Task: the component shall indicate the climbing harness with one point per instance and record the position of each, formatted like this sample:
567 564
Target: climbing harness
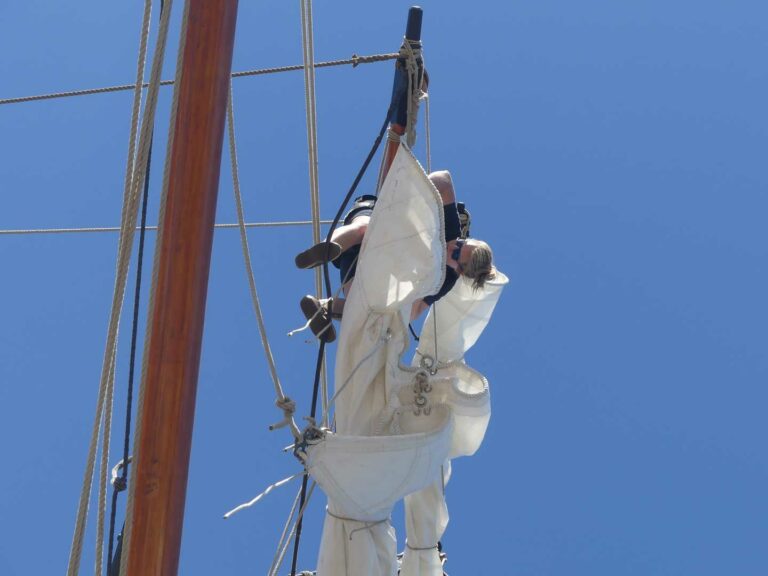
464 220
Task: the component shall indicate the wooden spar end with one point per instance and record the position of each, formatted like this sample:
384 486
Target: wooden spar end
413 28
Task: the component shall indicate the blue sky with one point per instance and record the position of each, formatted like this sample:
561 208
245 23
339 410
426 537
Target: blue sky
612 153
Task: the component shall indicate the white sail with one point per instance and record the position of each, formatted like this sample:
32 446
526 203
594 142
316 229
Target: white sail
397 426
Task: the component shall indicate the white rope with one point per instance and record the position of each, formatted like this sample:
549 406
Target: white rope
383 340
283 534
105 471
411 54
281 397
366 524
308 50
107 373
157 65
427 138
27 231
269 489
293 531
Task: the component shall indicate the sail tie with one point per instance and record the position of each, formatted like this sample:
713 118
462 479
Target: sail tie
419 548
368 524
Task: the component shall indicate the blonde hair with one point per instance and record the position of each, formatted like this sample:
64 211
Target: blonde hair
480 266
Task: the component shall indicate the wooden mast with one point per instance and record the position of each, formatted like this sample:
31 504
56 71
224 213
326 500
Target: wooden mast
398 126
180 294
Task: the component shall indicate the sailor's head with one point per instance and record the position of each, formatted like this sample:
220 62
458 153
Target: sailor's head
474 259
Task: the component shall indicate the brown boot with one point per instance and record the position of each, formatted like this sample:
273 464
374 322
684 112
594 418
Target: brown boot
318 254
319 317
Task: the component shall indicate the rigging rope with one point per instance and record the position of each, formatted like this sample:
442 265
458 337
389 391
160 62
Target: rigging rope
281 397
308 50
157 65
354 61
269 489
411 53
119 484
302 501
28 231
123 259
278 560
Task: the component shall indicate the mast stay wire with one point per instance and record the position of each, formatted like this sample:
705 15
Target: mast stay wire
91 229
355 60
123 259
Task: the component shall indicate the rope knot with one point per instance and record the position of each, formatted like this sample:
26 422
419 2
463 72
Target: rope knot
120 483
288 406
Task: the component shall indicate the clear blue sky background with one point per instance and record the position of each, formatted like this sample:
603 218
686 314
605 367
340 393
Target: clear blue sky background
613 154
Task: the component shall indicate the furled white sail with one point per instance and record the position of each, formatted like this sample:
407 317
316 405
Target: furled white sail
397 426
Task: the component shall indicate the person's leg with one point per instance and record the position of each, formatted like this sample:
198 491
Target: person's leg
351 234
444 184
342 239
318 317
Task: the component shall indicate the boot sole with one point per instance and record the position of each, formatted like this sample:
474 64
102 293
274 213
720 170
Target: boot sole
318 254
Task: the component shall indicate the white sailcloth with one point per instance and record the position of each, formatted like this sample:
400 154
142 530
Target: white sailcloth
397 426
461 316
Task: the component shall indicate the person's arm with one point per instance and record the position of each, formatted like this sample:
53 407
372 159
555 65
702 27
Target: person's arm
418 308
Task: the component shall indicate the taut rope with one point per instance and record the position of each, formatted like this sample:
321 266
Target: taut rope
354 61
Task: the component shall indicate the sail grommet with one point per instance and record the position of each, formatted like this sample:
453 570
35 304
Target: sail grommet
428 363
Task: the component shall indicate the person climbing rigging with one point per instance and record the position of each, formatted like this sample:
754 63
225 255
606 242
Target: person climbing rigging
465 256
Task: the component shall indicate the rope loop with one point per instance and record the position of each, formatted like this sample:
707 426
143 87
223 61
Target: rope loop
366 524
419 548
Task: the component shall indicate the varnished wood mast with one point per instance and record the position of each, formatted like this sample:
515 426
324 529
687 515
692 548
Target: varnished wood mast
182 285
